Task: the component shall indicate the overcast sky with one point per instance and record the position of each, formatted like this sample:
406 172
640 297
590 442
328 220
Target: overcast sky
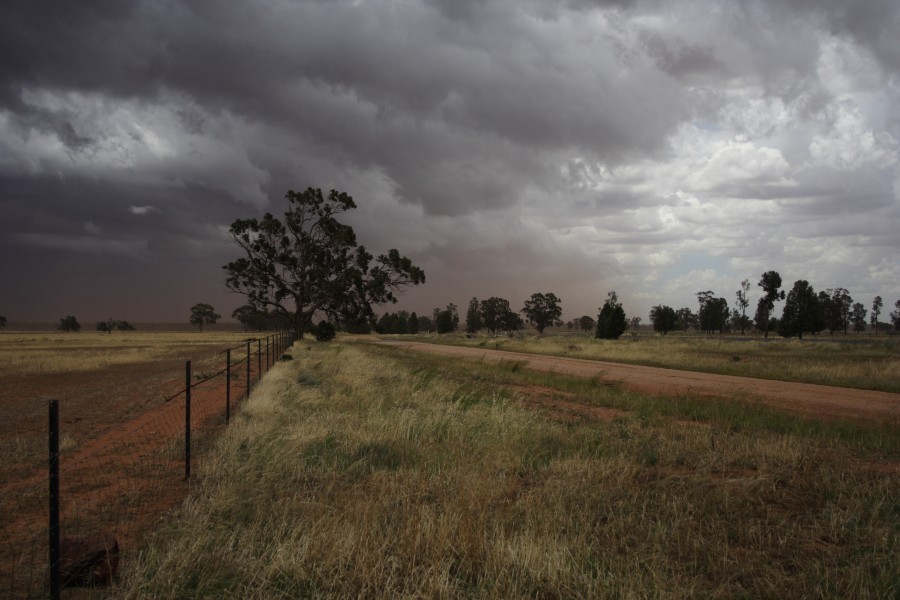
506 146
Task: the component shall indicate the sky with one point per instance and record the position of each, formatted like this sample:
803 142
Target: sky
507 147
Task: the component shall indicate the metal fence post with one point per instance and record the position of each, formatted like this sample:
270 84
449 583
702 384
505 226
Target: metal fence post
187 420
258 359
227 385
267 352
248 369
55 583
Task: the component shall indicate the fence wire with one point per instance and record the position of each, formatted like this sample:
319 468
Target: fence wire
118 485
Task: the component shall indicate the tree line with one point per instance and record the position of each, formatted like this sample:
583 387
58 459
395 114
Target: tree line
804 311
310 265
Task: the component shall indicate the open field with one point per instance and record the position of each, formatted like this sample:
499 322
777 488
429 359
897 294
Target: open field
361 470
101 380
869 362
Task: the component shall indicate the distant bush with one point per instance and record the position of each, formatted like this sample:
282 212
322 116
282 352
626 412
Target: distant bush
324 331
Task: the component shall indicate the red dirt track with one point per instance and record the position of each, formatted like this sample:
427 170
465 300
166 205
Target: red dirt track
800 398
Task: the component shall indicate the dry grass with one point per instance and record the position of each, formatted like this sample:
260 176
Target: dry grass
368 472
866 363
57 352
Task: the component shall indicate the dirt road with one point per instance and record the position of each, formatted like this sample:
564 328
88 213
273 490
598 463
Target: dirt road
803 398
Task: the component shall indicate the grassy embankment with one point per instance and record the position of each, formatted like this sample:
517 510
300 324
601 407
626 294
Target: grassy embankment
366 471
871 364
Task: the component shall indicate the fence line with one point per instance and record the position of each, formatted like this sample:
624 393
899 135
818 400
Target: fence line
70 526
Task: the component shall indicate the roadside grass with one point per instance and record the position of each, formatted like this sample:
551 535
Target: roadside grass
24 353
864 364
356 470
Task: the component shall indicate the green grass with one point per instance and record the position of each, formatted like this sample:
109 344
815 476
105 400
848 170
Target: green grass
848 362
366 471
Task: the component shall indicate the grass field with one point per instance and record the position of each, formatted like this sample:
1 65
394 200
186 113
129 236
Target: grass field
56 352
865 363
362 471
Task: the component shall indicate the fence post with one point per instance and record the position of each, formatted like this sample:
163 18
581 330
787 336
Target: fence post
55 587
267 351
248 369
187 420
258 359
227 385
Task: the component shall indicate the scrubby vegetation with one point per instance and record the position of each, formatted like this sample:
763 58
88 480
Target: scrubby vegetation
358 471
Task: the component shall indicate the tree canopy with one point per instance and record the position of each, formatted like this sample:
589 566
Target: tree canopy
770 282
543 310
69 323
586 323
663 318
311 264
877 304
204 314
473 316
742 301
496 315
611 322
713 315
835 306
111 324
801 311
858 317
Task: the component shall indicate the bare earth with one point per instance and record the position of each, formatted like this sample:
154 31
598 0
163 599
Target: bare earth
802 398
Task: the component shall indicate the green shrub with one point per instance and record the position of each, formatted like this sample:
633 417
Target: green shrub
324 331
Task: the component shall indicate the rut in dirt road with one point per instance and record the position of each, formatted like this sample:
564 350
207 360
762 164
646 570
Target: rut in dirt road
801 398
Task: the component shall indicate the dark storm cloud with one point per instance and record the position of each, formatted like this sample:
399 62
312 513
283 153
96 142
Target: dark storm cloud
143 129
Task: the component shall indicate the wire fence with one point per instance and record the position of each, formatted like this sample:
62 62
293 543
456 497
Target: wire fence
70 523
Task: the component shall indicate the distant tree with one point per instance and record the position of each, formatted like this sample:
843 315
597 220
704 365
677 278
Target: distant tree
770 282
801 311
713 313
496 315
203 314
310 264
611 322
543 311
570 325
877 303
426 324
635 323
835 305
412 324
685 319
895 315
394 323
324 331
444 322
69 323
587 323
401 322
454 315
473 316
663 318
251 318
106 326
447 320
742 302
125 326
858 317
2 321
